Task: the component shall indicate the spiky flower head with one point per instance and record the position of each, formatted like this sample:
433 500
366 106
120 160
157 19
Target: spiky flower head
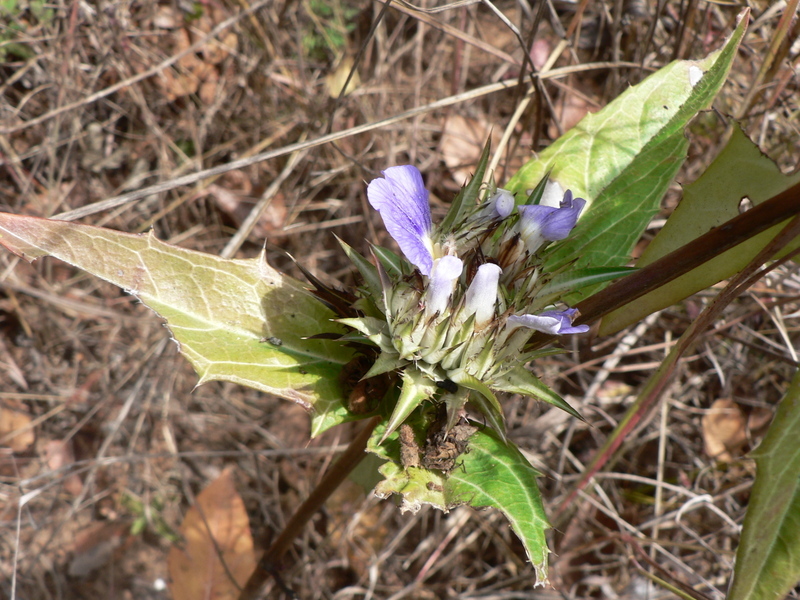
454 319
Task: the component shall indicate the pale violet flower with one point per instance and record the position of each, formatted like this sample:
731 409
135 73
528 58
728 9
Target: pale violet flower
553 322
501 203
539 224
456 323
444 274
481 296
402 200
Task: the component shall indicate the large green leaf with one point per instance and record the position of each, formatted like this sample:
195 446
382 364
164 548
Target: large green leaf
740 170
622 159
235 320
768 557
496 474
492 473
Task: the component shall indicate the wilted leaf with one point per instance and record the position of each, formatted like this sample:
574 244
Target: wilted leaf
724 430
96 545
15 426
235 320
59 455
768 557
216 557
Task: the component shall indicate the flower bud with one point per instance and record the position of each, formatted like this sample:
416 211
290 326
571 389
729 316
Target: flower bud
501 203
444 274
481 296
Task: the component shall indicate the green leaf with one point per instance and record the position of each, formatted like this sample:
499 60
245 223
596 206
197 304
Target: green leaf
492 473
580 278
394 265
416 388
366 268
467 197
622 159
234 320
495 474
768 557
521 381
740 170
485 399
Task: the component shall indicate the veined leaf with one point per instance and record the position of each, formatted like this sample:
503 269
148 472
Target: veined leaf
416 388
235 320
768 557
492 473
622 159
740 170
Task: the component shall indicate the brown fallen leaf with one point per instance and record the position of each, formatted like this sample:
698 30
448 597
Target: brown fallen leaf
335 80
237 202
724 430
462 142
569 112
217 556
15 426
96 545
58 455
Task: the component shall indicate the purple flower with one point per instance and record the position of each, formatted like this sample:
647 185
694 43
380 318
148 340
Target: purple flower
402 200
539 224
444 273
501 203
481 296
554 322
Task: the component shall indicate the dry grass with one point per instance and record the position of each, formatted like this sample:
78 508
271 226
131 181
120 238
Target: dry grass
97 100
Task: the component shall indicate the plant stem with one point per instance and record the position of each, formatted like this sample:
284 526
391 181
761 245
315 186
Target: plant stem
270 562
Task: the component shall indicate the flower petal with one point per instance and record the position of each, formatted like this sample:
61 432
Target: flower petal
553 322
444 273
539 224
561 221
553 194
502 203
481 296
402 200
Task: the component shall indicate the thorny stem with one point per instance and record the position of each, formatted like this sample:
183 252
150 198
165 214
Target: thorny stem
270 562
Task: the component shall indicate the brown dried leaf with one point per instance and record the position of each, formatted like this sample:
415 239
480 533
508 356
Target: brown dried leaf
96 545
58 455
238 205
569 112
217 556
15 430
335 80
166 17
758 420
217 51
724 430
462 141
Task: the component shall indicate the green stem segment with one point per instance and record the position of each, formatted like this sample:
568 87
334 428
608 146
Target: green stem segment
270 562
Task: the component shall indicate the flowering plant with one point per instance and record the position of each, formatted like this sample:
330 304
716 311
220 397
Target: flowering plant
427 341
465 315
